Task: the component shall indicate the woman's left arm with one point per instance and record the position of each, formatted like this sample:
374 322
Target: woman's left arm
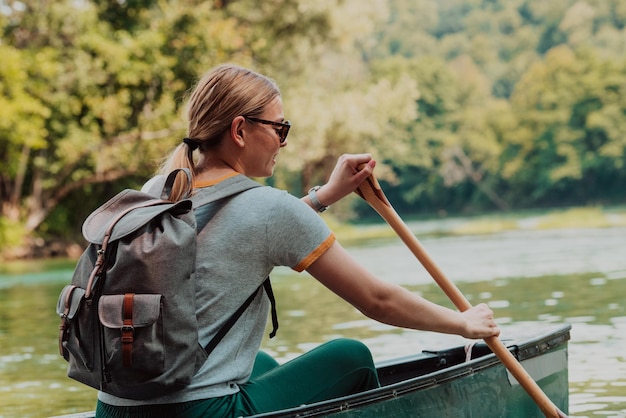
348 174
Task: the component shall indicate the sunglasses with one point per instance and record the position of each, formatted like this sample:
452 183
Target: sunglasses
281 128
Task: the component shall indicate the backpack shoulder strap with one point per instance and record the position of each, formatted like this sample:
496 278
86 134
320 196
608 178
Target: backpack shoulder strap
226 188
233 319
161 187
230 187
267 284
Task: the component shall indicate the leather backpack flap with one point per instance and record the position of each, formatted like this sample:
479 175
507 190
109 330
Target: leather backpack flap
69 301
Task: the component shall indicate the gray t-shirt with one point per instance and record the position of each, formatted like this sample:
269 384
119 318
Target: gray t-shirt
243 237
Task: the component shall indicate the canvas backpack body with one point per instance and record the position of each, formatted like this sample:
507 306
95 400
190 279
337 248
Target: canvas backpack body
128 318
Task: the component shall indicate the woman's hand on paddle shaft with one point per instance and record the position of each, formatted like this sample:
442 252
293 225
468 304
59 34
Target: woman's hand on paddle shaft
348 174
479 322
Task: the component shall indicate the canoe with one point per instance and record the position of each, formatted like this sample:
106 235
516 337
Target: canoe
450 382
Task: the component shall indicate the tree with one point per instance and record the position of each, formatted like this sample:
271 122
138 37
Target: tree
340 104
100 97
568 128
96 89
466 104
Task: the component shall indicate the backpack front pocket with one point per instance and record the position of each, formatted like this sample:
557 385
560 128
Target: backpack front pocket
133 333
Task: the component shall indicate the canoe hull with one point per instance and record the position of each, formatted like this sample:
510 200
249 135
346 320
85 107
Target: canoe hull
485 393
440 384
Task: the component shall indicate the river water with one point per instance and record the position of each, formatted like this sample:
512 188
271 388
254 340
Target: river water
576 276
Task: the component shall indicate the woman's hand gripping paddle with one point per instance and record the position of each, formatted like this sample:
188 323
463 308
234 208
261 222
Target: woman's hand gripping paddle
372 193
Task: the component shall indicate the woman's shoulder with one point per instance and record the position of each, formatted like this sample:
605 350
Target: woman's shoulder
271 202
271 196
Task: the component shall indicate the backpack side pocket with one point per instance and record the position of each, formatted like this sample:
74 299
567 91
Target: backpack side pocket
77 330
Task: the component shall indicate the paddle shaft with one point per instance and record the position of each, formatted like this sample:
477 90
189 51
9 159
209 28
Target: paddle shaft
372 193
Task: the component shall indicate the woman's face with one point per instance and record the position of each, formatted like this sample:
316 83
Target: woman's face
263 142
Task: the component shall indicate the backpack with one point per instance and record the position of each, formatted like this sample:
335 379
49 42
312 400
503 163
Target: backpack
128 318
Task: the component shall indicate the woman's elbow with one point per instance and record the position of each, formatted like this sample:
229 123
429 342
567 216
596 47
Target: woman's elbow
378 307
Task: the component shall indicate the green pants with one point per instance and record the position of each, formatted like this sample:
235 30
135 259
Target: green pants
338 368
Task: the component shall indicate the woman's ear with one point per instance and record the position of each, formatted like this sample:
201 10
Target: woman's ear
238 131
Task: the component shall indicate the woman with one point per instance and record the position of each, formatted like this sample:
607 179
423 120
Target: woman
237 127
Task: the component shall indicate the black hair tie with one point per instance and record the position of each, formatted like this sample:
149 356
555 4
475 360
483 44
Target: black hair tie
191 143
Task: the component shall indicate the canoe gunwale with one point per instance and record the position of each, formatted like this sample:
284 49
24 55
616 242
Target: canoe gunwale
532 349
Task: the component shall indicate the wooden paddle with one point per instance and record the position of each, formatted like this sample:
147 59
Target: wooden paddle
372 193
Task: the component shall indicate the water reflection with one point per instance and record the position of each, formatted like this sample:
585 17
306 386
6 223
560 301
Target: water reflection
592 299
511 254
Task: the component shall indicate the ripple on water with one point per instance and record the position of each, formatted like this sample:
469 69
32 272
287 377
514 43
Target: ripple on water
597 368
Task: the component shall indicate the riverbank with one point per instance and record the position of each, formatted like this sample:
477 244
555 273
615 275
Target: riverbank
353 234
535 220
38 248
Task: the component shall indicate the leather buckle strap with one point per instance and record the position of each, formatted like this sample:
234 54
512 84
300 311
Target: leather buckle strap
128 330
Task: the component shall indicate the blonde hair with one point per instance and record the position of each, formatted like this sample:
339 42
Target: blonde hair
222 94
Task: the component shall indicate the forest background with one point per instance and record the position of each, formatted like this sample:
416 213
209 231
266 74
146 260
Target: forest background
468 105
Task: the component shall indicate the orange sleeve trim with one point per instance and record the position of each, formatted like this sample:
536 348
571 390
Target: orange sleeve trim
209 183
315 254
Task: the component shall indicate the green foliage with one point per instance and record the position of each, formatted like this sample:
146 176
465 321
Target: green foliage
553 139
12 234
467 105
566 131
